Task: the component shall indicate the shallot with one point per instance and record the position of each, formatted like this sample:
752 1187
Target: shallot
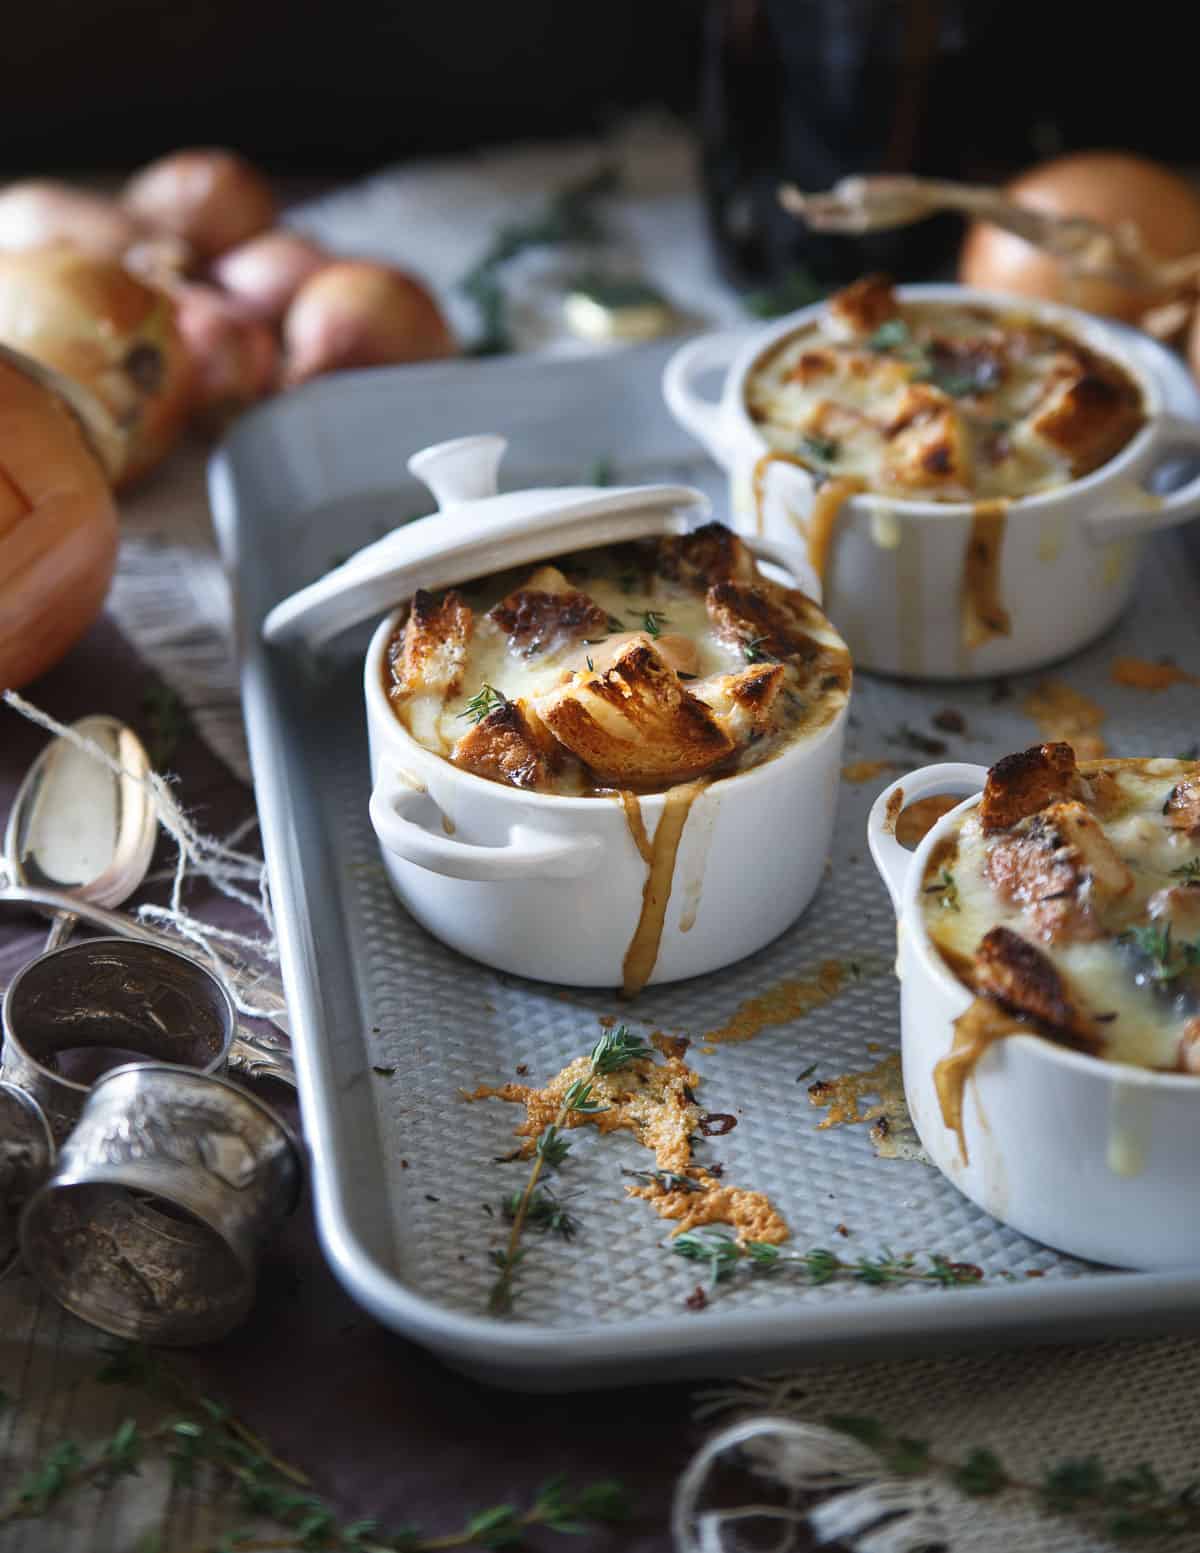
236 358
356 313
213 199
265 273
94 322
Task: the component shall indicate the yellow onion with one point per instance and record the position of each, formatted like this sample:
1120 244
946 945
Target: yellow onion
265 273
1111 187
1193 342
235 358
58 527
355 313
93 321
37 212
213 199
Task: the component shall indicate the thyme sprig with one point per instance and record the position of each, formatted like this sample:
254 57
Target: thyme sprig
199 1432
653 621
615 1050
947 888
822 450
1128 1506
724 1258
1167 958
1189 872
753 652
486 699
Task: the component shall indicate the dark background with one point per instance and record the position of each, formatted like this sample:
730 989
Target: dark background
806 89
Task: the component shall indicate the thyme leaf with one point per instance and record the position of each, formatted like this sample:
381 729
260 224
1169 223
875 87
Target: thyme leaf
485 700
653 621
725 1257
947 888
1189 872
822 450
1167 959
753 652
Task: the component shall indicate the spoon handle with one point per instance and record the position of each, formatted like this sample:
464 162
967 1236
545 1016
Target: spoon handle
256 1055
61 929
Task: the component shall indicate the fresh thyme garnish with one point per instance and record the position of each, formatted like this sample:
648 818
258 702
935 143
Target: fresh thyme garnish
1189 872
545 1211
725 1258
197 1434
798 288
568 216
668 1180
947 888
1156 945
753 653
1127 1507
822 450
485 700
166 722
893 335
590 664
615 1050
599 471
653 621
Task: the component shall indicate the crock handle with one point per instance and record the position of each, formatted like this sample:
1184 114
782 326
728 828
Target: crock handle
1174 435
702 417
891 859
528 853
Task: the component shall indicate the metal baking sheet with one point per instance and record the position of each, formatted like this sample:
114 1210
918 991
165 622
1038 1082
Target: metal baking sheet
390 1027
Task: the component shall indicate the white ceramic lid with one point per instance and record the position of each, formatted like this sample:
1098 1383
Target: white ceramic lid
474 532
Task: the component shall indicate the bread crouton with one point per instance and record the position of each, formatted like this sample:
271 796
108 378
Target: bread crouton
859 309
1012 972
776 620
1089 415
706 556
635 725
1061 868
511 745
430 654
928 445
1021 784
547 612
1182 807
742 702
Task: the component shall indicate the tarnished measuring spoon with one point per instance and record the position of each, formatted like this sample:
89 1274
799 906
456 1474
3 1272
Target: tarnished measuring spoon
79 829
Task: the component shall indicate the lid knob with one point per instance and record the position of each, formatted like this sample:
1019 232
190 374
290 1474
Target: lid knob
462 470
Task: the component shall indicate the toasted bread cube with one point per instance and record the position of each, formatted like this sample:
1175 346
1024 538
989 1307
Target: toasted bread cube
706 556
432 652
742 702
1088 416
511 745
1061 868
776 620
678 651
1182 808
928 443
547 612
635 724
858 309
1078 830
1022 784
1012 972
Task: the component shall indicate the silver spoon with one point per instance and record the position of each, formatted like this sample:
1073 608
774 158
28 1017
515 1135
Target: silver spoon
79 830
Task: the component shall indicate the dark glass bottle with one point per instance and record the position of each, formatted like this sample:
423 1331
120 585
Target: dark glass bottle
813 90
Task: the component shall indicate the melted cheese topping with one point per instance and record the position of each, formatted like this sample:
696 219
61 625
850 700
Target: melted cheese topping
1139 987
943 402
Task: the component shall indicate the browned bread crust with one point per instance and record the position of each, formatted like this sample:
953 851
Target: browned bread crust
1015 974
706 556
511 744
1023 783
432 651
865 304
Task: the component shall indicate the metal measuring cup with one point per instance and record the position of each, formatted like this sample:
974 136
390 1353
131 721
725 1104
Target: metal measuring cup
151 1224
73 1013
26 1155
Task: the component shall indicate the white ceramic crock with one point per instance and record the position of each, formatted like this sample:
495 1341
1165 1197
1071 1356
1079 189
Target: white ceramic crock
894 580
552 888
1096 1158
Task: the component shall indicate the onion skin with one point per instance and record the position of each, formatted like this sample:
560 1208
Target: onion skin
266 273
235 358
355 313
58 530
213 199
37 212
93 321
1111 187
1193 343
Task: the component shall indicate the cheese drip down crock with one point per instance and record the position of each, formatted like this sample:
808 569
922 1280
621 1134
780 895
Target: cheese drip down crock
632 669
1069 901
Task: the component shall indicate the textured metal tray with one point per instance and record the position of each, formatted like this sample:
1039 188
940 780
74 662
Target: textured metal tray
402 1167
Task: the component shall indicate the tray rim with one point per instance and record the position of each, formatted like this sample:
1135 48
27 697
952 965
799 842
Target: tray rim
534 1355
